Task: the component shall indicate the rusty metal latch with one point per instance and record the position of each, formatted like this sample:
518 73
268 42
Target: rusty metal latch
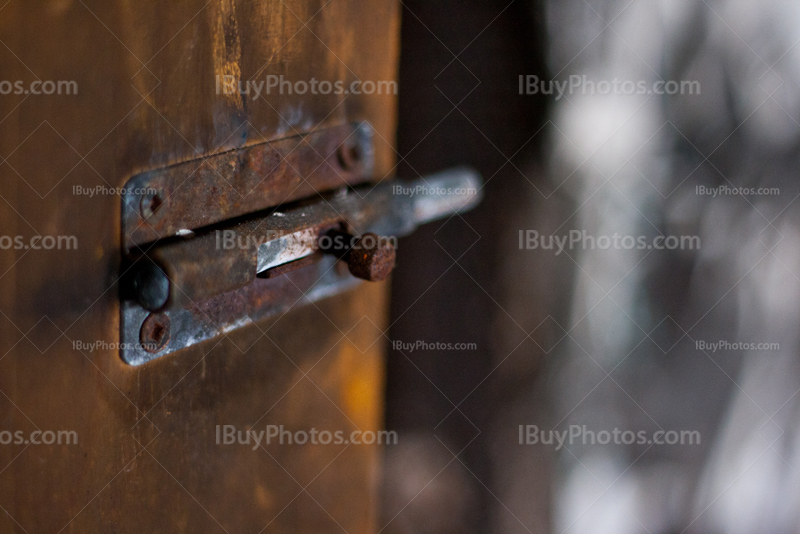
231 257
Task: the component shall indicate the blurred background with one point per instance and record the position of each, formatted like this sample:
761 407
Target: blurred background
655 119
606 345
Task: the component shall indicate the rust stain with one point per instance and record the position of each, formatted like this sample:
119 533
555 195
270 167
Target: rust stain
263 497
362 373
362 388
59 7
239 182
282 25
227 49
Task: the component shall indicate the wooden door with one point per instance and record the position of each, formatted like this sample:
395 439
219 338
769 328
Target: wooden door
148 74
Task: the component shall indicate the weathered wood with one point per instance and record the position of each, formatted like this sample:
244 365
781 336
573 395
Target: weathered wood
147 459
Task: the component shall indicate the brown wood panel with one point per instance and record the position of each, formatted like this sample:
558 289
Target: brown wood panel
147 459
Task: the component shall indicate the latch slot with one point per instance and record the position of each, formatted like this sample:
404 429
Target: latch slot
215 268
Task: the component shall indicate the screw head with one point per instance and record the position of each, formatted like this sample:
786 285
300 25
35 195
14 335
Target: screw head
350 156
154 334
150 204
372 258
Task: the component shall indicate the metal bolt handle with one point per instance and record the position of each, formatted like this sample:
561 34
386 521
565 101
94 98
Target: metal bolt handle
370 257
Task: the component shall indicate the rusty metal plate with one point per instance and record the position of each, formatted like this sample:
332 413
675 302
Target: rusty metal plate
225 313
170 201
207 289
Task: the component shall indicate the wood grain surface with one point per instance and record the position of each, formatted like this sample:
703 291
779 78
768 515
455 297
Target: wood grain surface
147 460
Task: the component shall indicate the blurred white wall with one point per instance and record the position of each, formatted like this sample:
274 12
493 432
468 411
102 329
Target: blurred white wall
632 164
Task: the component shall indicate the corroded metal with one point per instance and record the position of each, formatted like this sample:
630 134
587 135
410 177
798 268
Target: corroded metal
167 202
228 312
372 258
226 259
212 277
155 332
